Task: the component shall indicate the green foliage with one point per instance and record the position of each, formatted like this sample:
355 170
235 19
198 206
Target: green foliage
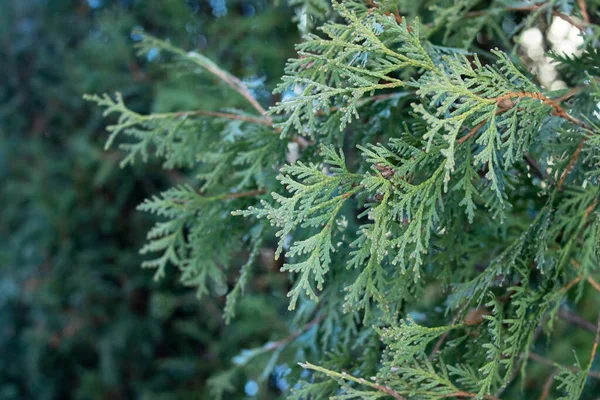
435 206
316 201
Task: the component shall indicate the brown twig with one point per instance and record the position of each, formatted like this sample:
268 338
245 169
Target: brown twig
584 12
571 284
547 387
577 266
505 103
572 163
236 84
244 194
535 166
570 20
479 13
442 339
217 114
347 377
595 345
558 110
591 208
469 395
438 344
471 133
501 110
543 360
576 319
282 342
568 95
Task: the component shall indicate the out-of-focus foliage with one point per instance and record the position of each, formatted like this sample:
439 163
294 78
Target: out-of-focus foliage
78 318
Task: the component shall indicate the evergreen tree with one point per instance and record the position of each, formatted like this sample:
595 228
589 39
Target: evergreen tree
434 204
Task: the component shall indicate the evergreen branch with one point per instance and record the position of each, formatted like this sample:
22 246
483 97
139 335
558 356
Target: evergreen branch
317 197
149 42
231 116
518 369
558 110
347 377
410 339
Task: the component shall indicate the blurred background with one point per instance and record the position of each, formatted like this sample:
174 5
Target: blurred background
79 319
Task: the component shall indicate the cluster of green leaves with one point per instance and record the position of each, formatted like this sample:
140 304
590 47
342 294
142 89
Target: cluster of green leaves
434 204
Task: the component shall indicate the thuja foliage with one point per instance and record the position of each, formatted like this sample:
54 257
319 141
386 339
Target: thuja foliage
434 206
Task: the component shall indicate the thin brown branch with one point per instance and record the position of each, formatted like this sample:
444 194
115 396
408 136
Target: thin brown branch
502 109
591 208
463 394
282 342
236 84
250 193
547 387
535 166
572 163
595 345
471 133
568 95
570 20
576 319
479 13
347 377
558 110
438 344
217 114
303 143
442 339
569 285
543 360
577 266
584 12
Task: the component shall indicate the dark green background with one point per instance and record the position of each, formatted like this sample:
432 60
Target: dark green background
78 317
